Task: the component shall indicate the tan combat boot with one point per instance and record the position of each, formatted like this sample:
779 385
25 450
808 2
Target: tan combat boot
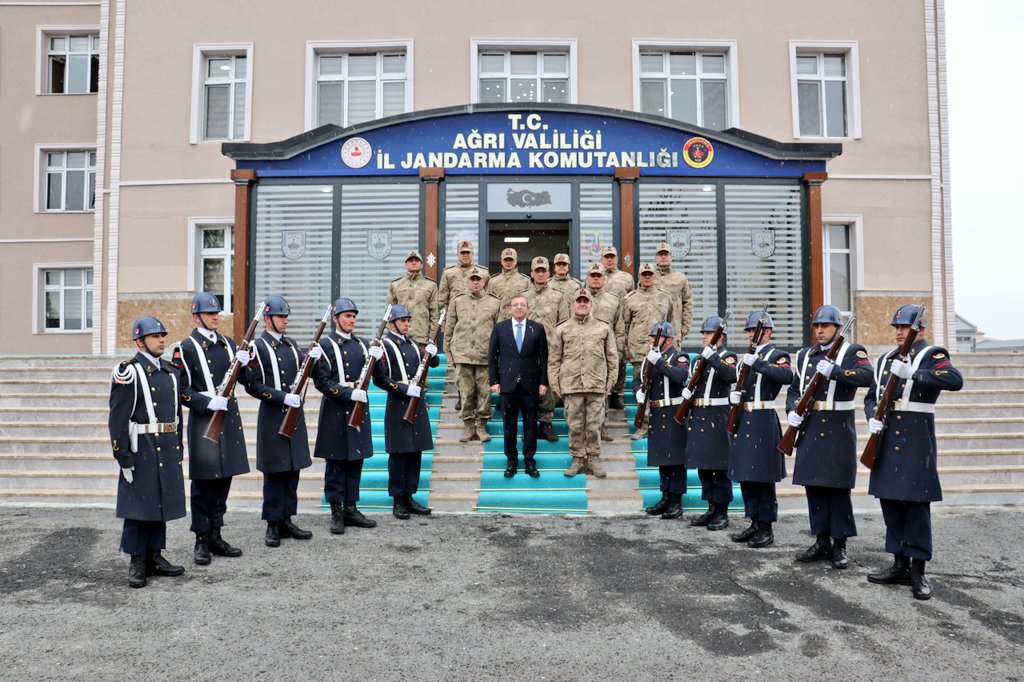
468 432
481 430
640 433
605 436
596 470
578 464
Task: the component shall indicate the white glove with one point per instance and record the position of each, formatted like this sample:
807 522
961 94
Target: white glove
749 359
243 357
900 369
640 396
292 400
794 420
413 391
707 352
824 367
875 426
653 356
735 397
358 395
376 352
430 349
687 393
316 352
128 475
218 403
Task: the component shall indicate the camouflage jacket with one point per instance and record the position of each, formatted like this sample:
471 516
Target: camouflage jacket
618 282
547 306
582 356
505 285
678 285
419 295
453 283
641 310
608 308
568 286
468 324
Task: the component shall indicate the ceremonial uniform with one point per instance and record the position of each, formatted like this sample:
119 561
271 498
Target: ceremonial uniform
468 324
643 308
707 441
549 307
419 295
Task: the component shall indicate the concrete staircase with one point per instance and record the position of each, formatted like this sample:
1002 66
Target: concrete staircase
54 447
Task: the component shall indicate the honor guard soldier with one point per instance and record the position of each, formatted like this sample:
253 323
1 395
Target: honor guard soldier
905 478
678 286
562 281
404 442
342 447
203 360
549 307
145 435
509 282
272 376
582 362
826 454
754 459
707 441
468 324
666 442
619 283
607 307
453 277
417 294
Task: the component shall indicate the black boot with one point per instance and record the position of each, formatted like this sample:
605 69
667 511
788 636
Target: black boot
839 556
659 506
897 574
547 432
220 547
201 555
821 549
337 519
615 402
399 509
137 571
273 536
704 518
354 517
415 507
458 403
290 530
720 521
763 537
918 582
675 506
157 565
746 534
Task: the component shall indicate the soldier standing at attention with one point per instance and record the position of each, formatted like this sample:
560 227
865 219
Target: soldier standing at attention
549 307
619 283
453 277
468 326
905 478
707 441
342 447
562 281
404 442
607 308
145 436
754 459
678 286
826 456
272 376
643 308
417 294
509 282
203 360
582 362
666 445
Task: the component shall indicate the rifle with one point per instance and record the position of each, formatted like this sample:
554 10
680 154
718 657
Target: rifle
215 427
889 396
355 420
732 424
421 372
291 415
699 366
645 382
795 433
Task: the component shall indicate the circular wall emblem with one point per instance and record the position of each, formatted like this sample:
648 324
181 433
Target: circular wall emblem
698 152
356 152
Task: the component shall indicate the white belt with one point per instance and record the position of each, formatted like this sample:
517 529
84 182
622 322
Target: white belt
925 408
154 427
666 403
710 402
758 405
835 406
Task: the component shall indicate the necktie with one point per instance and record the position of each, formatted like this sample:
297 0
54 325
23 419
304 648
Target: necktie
519 336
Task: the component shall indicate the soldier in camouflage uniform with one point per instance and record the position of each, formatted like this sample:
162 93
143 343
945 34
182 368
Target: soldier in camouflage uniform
508 282
619 283
562 280
676 284
549 307
453 277
467 327
582 361
608 309
418 294
643 308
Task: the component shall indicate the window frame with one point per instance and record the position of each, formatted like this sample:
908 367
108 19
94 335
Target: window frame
41 166
196 255
201 53
851 52
480 45
855 236
39 289
43 35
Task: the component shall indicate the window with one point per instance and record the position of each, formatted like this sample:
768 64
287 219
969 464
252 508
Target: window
513 76
73 64
69 182
688 86
221 92
838 256
67 299
356 87
216 248
825 90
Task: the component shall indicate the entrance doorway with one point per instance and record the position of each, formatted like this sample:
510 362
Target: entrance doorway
530 238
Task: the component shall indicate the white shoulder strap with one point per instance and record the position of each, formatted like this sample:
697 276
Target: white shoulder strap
147 395
830 397
803 369
879 368
203 365
275 370
905 401
399 360
757 382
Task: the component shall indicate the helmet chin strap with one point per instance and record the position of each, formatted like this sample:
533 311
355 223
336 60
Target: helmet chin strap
202 322
145 344
274 325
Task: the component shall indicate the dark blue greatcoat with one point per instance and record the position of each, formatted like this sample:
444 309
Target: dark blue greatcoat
400 436
157 492
335 439
666 439
906 465
274 452
707 441
755 455
206 459
827 454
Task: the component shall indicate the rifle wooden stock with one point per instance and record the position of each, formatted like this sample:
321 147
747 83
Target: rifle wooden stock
358 414
421 373
733 422
645 386
699 367
291 415
215 427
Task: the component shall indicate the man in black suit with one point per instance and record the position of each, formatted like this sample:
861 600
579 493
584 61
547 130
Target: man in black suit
517 362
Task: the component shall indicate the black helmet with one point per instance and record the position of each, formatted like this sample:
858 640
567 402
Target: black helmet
755 316
205 302
147 325
828 314
907 315
712 324
345 305
276 305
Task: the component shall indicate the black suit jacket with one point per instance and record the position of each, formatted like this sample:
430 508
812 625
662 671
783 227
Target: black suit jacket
508 366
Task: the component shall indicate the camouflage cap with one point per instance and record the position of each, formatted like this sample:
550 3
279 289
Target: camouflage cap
539 262
646 267
562 258
465 246
477 271
414 254
609 251
664 246
583 293
596 269
509 253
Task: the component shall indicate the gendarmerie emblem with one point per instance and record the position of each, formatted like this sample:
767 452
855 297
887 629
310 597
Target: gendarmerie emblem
378 243
293 244
680 240
762 242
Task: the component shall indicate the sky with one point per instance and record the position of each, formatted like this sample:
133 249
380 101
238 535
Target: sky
985 71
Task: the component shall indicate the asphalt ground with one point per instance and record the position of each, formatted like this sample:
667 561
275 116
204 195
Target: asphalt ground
485 597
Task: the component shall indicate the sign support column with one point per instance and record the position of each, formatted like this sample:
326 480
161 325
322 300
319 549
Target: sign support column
627 178
243 180
431 178
816 257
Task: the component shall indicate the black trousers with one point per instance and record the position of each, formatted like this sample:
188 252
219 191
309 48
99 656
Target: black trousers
209 503
831 512
760 501
673 478
908 528
403 473
519 401
142 537
280 495
715 485
341 480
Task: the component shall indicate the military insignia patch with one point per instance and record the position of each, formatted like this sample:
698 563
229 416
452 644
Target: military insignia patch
730 360
862 354
938 356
